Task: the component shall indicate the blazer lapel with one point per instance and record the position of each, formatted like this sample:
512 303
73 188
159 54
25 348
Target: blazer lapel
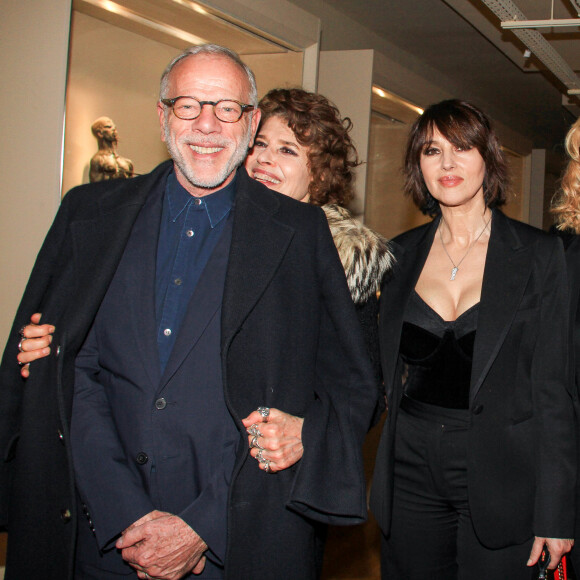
204 304
396 293
142 267
259 243
507 269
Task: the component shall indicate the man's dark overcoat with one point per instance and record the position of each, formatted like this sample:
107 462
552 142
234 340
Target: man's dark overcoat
290 340
521 468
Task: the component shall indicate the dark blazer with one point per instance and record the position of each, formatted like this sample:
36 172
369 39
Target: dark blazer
572 245
290 339
521 463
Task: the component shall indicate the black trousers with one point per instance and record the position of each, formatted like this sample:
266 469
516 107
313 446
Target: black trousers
432 535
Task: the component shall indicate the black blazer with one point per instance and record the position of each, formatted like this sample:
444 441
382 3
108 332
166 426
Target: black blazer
521 463
290 339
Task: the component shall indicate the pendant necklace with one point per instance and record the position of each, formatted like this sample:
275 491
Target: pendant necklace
455 268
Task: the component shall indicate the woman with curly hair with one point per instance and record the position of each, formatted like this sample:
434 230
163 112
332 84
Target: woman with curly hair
566 205
303 149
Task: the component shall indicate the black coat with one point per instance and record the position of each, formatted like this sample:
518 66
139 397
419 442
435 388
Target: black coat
290 340
521 459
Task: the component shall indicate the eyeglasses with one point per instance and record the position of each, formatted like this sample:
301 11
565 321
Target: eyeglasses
188 108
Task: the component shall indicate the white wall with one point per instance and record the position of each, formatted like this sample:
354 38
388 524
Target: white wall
34 47
346 78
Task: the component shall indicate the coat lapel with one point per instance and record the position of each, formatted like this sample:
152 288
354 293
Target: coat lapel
259 243
105 238
507 269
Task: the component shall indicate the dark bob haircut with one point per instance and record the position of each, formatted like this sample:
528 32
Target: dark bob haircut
463 125
317 124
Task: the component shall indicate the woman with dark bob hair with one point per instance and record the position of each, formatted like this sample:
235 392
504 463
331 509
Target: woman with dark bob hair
475 471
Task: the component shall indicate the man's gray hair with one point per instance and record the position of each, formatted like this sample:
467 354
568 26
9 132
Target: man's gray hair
213 50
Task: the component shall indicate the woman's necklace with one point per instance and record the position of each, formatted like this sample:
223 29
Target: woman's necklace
455 268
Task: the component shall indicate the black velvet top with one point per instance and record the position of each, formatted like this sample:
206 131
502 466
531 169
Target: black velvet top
437 354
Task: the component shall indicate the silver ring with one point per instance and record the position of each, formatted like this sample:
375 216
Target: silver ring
20 343
265 412
267 468
255 443
255 430
260 457
21 331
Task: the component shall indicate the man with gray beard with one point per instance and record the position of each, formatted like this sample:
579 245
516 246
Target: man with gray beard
186 302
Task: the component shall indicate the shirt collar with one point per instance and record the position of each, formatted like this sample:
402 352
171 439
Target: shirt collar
217 205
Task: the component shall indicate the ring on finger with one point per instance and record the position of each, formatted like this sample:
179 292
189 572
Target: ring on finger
20 343
255 443
265 412
255 430
260 457
267 467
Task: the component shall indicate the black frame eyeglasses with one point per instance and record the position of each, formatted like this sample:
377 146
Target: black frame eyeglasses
225 110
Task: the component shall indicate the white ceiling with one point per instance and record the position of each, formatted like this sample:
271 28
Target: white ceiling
463 40
457 39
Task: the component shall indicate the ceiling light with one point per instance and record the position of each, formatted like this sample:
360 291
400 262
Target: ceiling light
510 24
115 8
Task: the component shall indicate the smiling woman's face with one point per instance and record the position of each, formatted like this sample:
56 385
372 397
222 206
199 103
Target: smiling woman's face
454 176
279 161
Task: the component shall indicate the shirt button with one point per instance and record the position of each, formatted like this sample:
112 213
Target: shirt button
167 332
198 201
189 233
142 458
160 403
178 281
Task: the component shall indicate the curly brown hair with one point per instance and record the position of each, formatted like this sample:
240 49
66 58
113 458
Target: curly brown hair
566 203
463 125
317 124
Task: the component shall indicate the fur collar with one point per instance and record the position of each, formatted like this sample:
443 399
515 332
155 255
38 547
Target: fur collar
365 255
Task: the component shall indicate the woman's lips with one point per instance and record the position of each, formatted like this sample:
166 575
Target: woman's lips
450 180
259 175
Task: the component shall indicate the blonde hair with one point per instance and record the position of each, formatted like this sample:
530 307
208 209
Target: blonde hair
566 203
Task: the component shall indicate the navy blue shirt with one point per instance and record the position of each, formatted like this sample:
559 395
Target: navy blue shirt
190 229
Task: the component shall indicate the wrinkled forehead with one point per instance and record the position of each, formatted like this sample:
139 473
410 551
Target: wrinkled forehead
209 76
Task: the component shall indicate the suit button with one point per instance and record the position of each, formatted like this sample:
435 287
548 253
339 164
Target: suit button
477 409
142 458
160 403
65 515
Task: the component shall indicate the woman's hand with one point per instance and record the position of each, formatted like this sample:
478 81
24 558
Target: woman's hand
556 546
35 343
278 439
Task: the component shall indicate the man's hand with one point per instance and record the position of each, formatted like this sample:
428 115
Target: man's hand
161 545
556 546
